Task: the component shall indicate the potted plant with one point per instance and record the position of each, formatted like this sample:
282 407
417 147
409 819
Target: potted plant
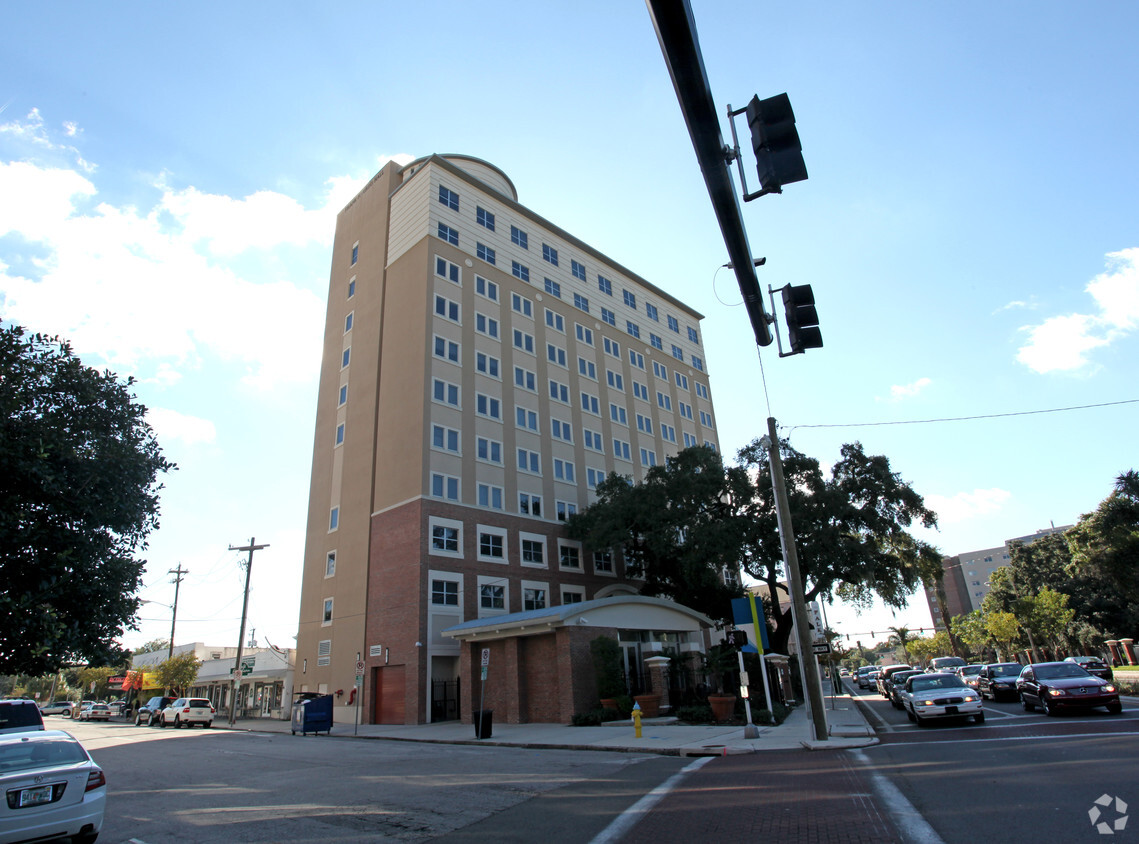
719 662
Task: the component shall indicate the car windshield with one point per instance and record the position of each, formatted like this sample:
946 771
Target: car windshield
946 662
23 755
970 670
1011 669
1059 672
937 681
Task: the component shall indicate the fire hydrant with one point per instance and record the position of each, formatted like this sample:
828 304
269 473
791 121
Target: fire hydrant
637 720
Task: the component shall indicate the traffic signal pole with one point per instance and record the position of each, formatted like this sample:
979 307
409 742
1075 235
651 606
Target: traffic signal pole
251 547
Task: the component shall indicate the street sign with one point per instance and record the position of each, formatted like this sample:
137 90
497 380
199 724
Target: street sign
359 667
359 679
820 648
485 657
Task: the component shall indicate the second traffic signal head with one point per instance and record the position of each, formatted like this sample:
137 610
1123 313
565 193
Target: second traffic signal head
802 318
778 152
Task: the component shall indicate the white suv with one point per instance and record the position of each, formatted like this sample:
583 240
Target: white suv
187 711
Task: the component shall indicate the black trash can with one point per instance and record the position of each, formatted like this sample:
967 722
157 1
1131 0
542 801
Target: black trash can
484 722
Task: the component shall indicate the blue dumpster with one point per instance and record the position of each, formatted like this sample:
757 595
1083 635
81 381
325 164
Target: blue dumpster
312 714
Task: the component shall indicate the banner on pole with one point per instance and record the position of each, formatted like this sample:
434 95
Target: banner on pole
750 611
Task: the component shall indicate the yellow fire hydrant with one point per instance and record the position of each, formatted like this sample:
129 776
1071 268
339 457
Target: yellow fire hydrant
637 720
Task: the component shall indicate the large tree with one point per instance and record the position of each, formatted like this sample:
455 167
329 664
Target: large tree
851 531
78 497
680 529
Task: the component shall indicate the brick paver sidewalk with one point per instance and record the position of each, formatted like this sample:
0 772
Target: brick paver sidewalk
821 797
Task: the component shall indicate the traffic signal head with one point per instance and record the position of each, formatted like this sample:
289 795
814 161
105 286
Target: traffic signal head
778 152
737 638
802 318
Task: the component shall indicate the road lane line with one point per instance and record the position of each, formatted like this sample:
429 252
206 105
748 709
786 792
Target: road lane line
624 822
914 828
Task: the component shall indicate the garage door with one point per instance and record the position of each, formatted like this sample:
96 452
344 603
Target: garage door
389 685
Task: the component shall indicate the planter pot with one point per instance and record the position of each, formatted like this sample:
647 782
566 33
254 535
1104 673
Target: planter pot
723 706
609 703
650 705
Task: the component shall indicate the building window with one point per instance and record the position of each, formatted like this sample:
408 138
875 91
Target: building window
445 593
577 269
523 341
593 477
587 369
553 288
584 335
636 359
705 419
340 434
343 398
555 321
489 450
651 312
448 234
534 551
520 271
351 288
348 322
326 618
608 317
580 302
697 363
487 364
334 518
549 254
603 561
667 432
621 450
449 198
660 371
664 401
618 414
529 461
444 486
559 391
593 440
556 355
678 352
633 328
330 564
346 358
685 410
445 392
445 269
491 546
484 252
518 237
490 496
486 288
486 325
569 556
648 457
564 471
630 299
522 305
674 324
564 509
681 380
605 285
526 419
525 379
640 391
448 309
446 349
560 430
445 439
701 390
445 538
533 599
484 218
355 253
529 504
656 342
488 406
492 597
692 335
644 424
572 596
590 404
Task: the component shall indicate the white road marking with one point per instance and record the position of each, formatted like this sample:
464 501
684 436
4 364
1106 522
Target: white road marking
624 822
914 828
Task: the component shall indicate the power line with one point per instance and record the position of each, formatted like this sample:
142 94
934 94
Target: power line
965 418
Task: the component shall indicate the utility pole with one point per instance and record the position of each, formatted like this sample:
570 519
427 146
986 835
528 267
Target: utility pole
251 547
808 666
178 573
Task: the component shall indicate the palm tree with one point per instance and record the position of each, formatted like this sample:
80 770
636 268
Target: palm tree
900 636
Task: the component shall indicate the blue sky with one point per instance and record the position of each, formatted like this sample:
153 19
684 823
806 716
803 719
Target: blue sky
169 179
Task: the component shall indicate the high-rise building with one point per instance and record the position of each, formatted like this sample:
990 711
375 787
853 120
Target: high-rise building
483 369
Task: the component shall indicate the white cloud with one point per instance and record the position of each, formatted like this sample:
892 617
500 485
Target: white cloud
967 505
1062 343
157 292
172 425
905 391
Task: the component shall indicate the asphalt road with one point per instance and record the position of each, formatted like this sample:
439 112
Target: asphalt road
206 786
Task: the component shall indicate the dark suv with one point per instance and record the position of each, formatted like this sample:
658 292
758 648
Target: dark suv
150 711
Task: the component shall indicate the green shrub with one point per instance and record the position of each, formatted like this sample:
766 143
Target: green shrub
694 714
588 719
624 705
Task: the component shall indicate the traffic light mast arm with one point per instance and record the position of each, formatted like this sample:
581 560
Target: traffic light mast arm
676 32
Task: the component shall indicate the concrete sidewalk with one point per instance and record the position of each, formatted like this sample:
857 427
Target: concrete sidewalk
847 726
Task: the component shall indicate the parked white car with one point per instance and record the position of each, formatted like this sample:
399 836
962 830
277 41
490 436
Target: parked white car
187 711
53 788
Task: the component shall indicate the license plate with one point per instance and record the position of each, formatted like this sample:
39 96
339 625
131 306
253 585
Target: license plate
951 710
35 796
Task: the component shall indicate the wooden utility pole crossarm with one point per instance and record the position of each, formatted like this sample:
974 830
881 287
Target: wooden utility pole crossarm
251 547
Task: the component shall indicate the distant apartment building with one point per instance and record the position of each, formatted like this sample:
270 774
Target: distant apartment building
966 579
483 370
